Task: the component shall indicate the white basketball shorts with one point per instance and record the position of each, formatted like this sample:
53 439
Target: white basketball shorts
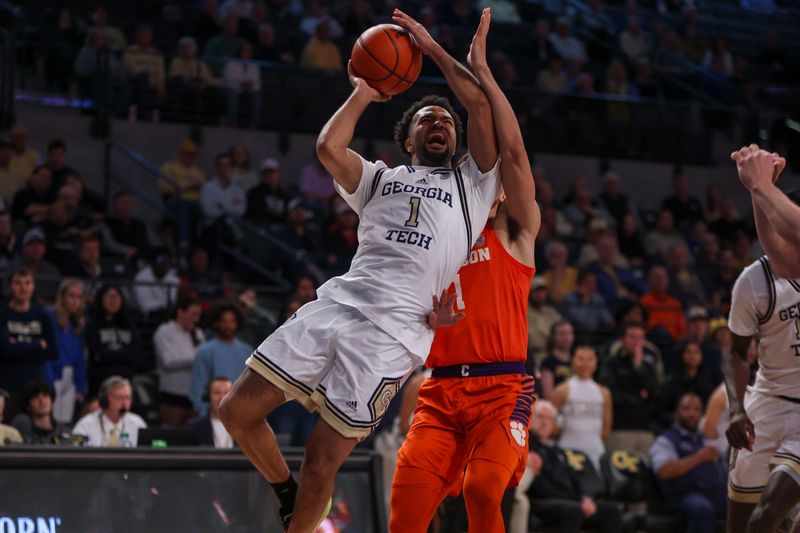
777 443
331 359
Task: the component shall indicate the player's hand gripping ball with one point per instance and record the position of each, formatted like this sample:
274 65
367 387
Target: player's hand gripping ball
387 58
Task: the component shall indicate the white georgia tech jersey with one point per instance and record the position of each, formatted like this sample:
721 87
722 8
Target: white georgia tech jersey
417 225
768 308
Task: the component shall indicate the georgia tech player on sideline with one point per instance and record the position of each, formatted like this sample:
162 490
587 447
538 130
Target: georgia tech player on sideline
348 353
764 432
472 415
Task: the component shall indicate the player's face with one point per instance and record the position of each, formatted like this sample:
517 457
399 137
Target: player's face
432 139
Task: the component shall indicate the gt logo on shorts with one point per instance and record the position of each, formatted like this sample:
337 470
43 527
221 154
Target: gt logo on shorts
387 389
519 433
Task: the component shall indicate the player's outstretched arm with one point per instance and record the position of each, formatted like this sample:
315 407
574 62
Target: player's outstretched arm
333 141
740 433
777 217
482 147
515 168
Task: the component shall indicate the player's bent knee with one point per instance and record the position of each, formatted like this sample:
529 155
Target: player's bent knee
318 467
485 484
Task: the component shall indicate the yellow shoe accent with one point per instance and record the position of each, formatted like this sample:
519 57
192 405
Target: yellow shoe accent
325 513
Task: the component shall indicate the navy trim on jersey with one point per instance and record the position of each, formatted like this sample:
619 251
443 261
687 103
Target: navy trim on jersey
746 490
462 194
410 169
375 181
281 373
794 284
771 290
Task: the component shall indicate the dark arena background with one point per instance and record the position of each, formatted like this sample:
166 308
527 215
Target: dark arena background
119 120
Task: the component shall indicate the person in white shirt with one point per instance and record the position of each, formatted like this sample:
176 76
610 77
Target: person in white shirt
565 44
156 285
176 344
209 429
243 77
114 425
221 197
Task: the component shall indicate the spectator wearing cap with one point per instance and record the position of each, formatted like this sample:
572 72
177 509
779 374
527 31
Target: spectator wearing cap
32 203
561 278
35 422
565 44
340 242
184 174
300 235
24 159
156 285
8 434
697 330
46 275
585 307
541 317
10 181
123 234
221 197
267 201
664 311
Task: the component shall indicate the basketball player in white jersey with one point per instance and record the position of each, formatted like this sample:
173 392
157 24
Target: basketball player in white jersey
777 218
348 353
764 432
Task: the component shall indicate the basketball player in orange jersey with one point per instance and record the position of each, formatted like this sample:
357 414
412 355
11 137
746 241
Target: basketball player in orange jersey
471 421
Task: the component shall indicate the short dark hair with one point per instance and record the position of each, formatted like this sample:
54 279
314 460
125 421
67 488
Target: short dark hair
32 389
633 325
585 273
227 307
186 299
54 144
20 271
403 125
222 155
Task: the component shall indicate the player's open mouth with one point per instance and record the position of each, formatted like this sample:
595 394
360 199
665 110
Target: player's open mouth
437 140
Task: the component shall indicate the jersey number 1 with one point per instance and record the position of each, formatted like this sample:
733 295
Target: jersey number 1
413 221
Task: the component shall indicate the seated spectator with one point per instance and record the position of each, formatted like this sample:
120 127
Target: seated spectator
664 236
9 244
24 159
541 49
35 421
112 339
56 162
729 225
89 204
630 242
123 234
242 79
585 307
114 425
541 317
243 173
557 366
269 49
615 283
685 208
697 330
688 378
561 278
204 282
552 79
209 429
266 202
32 203
182 192
581 212
111 34
67 373
718 58
613 200
692 473
633 382
8 434
305 290
45 274
191 86
585 408
556 495
10 181
90 267
223 356
90 61
321 53
684 283
565 44
316 184
634 312
156 285
503 11
189 68
597 229
221 197
300 235
63 230
340 241
145 67
663 310
176 343
618 84
223 45
633 41
258 322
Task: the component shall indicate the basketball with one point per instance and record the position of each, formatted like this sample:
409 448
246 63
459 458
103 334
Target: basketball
387 58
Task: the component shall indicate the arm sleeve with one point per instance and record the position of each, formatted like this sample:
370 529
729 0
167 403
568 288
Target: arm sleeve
370 176
750 300
662 452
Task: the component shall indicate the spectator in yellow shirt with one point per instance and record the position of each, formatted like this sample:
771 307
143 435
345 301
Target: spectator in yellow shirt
23 158
321 53
190 68
113 35
145 66
189 179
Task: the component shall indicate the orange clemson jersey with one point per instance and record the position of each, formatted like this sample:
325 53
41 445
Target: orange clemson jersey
492 291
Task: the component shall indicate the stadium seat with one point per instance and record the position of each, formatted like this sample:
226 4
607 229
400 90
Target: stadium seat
628 476
592 484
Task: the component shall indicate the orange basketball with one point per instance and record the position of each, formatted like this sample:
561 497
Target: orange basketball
387 58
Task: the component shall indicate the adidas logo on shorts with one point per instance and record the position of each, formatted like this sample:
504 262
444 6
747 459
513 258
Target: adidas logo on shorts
352 405
519 433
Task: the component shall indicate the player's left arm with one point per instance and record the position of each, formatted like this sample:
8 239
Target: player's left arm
482 147
515 168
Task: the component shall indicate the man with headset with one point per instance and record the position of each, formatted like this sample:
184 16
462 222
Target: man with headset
108 426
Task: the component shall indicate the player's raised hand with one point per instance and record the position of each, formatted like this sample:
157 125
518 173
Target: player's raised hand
363 87
423 39
443 313
741 433
476 58
756 167
779 163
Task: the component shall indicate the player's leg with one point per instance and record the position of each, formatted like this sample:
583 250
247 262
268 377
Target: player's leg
243 412
738 515
326 450
782 493
416 494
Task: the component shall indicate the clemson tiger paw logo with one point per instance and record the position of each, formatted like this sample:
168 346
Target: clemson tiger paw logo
519 433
